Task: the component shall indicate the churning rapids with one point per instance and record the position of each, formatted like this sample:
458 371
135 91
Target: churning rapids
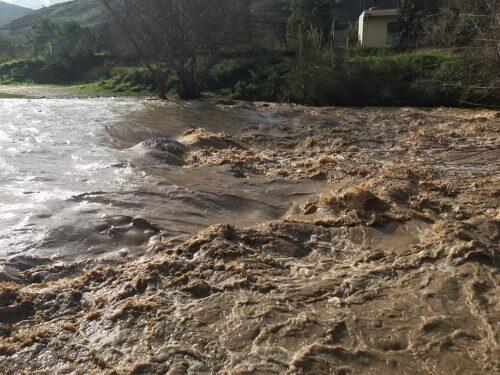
142 237
74 174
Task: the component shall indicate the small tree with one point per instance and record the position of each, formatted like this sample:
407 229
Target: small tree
187 36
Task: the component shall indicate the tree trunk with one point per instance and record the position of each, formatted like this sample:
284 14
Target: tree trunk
190 81
189 89
162 91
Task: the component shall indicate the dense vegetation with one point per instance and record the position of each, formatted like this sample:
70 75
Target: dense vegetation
448 54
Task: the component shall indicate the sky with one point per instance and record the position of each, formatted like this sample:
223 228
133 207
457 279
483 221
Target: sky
34 4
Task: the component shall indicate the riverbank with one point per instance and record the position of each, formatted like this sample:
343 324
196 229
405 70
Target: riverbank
394 269
319 77
34 91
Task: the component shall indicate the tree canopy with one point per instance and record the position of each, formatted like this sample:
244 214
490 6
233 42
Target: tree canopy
449 23
60 40
307 15
187 36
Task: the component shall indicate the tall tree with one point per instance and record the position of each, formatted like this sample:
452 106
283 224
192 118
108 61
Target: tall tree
187 36
472 28
412 17
307 16
60 40
448 23
75 40
42 36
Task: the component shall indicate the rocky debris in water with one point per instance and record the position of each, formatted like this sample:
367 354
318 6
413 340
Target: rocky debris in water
197 288
133 231
109 231
489 225
396 272
359 199
164 145
9 274
202 139
164 149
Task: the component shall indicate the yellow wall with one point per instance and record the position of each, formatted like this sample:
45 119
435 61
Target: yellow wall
373 30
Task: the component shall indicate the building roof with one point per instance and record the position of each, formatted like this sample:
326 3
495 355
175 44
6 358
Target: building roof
381 12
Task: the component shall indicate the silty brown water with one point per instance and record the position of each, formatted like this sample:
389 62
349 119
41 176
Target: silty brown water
74 174
385 262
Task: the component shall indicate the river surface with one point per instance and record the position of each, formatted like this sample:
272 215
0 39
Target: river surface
73 176
351 240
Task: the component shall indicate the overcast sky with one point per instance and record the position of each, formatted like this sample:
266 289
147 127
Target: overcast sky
34 4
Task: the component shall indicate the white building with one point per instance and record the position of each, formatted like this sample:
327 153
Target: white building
377 27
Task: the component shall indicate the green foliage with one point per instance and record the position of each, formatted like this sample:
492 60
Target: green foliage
129 80
61 40
62 53
75 40
412 16
16 71
470 81
348 76
313 79
447 23
326 77
249 78
42 36
42 71
471 26
8 49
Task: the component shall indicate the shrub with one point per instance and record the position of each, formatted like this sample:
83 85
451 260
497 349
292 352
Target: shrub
326 77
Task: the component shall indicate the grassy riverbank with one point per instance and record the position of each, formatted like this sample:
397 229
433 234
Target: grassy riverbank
318 77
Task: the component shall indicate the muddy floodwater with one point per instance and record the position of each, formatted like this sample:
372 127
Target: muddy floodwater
148 237
73 169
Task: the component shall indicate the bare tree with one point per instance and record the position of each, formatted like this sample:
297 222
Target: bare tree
187 36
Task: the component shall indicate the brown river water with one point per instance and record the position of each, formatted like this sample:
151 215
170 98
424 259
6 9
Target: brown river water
147 237
70 169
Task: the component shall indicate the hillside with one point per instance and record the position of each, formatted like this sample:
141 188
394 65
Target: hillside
32 4
92 12
9 12
36 4
89 12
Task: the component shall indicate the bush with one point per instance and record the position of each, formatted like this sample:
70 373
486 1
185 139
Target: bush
249 78
470 79
326 77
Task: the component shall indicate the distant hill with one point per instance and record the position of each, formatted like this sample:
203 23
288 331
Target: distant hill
9 12
35 4
88 12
